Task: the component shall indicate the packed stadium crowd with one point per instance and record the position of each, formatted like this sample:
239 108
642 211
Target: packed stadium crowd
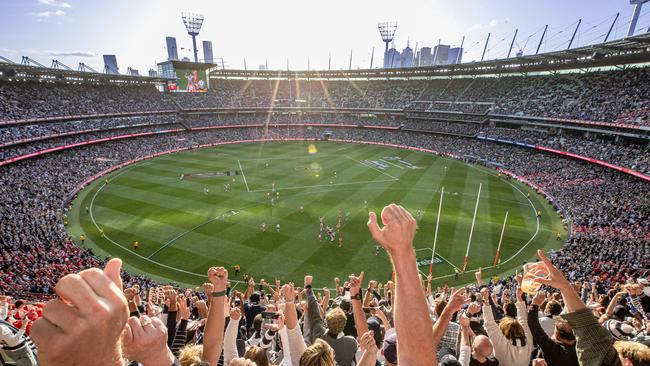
613 96
24 100
595 291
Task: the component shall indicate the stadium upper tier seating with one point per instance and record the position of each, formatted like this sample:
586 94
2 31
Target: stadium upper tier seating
613 96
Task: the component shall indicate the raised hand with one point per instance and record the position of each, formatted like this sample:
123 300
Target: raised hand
288 293
355 284
208 288
398 232
456 300
130 293
235 314
553 276
485 292
145 340
276 327
539 298
183 309
170 294
218 276
83 326
367 342
479 276
463 321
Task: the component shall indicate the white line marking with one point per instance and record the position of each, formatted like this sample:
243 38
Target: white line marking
329 185
395 165
243 176
441 257
92 217
170 242
371 167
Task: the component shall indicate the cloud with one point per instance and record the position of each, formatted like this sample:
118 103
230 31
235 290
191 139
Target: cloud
58 4
84 54
475 26
47 14
493 23
7 50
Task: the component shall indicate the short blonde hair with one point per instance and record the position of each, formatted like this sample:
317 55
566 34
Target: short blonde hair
336 320
318 354
190 355
636 352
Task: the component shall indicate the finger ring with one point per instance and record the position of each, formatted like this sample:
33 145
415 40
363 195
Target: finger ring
147 323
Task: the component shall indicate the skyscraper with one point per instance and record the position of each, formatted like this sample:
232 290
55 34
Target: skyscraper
208 57
407 56
172 50
440 54
110 65
455 56
426 58
392 59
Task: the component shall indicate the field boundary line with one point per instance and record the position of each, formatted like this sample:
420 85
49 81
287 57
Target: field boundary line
370 166
531 205
243 176
92 217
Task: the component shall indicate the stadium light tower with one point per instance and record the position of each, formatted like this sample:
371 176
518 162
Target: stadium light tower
387 31
193 23
635 17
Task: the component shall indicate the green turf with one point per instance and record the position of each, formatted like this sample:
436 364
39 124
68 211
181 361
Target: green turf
183 231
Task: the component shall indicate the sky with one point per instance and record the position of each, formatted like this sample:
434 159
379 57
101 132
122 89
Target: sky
299 31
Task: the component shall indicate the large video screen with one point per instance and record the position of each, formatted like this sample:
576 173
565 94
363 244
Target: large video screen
191 80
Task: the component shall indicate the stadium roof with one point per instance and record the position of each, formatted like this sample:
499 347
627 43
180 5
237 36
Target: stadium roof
26 72
626 51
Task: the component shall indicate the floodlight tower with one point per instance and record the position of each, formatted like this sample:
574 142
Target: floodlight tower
635 17
193 23
387 31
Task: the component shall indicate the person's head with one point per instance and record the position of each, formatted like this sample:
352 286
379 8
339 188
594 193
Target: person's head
563 331
257 355
632 353
318 354
482 346
510 309
255 298
190 355
336 320
512 330
257 323
553 308
389 348
440 306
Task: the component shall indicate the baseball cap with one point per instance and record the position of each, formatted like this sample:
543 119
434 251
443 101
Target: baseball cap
390 346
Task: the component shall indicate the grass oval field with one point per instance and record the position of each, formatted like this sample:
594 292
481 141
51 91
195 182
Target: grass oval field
182 230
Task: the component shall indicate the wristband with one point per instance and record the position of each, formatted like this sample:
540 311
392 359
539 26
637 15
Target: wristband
357 296
218 293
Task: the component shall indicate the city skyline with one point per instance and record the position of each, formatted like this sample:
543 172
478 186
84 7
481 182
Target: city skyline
292 30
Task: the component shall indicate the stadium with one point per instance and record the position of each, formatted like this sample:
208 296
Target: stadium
489 196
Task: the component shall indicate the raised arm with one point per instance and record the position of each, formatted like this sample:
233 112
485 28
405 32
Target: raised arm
593 342
360 322
412 323
453 306
213 334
